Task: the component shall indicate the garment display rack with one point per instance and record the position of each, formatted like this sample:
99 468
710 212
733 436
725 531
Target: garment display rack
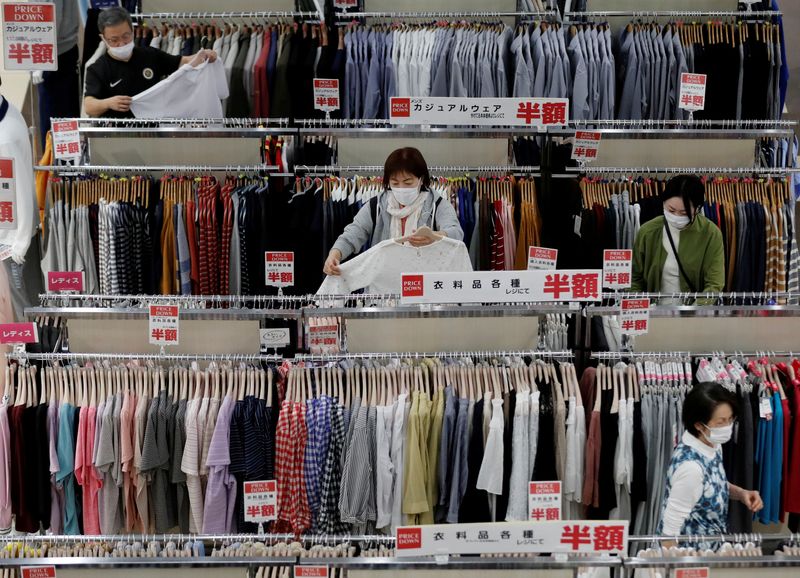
442 355
674 13
443 15
327 169
221 15
680 128
233 357
62 169
744 171
683 355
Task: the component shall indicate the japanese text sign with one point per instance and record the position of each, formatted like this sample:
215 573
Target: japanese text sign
64 281
501 287
15 333
542 258
39 572
323 338
585 145
275 337
301 571
693 91
260 501
530 112
692 573
279 268
617 268
29 36
326 94
544 501
66 140
164 325
8 195
517 537
634 316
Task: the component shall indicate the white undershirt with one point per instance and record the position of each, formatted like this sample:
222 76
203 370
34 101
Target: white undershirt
686 487
671 275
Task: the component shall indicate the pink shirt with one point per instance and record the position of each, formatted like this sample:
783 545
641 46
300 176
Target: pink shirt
85 472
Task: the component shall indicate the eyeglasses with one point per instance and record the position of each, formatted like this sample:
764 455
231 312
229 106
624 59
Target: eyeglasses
724 422
119 40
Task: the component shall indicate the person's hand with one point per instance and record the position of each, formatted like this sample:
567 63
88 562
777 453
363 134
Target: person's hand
204 55
752 500
332 263
419 240
119 103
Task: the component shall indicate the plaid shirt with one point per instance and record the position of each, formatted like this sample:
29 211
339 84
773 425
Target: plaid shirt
311 456
329 521
227 232
283 462
301 518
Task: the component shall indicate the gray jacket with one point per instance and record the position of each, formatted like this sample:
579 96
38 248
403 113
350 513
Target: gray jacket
357 233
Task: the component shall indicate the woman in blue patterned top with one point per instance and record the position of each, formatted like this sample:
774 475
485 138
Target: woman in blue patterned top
697 491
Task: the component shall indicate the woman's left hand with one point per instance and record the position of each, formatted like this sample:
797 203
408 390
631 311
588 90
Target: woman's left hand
420 240
752 500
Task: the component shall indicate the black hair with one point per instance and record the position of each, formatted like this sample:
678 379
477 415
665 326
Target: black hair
701 401
690 189
113 16
406 160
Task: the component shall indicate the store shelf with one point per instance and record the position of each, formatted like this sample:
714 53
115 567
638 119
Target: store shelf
464 563
443 311
117 563
99 313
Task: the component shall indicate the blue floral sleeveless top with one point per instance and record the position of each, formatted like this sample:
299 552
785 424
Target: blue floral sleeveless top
710 513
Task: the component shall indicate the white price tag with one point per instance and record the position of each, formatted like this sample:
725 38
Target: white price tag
542 258
29 36
275 338
326 94
544 501
279 268
260 501
585 147
634 316
164 325
66 140
765 408
617 268
693 91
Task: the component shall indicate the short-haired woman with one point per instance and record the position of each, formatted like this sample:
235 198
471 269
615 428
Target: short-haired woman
681 252
405 205
698 491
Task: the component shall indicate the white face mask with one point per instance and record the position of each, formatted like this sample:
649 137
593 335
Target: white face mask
405 196
675 221
121 52
719 435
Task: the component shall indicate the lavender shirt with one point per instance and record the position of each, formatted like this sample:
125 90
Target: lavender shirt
221 489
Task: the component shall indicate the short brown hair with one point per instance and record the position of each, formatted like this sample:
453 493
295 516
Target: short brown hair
406 160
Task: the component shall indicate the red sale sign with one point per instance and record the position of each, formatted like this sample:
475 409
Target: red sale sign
436 110
544 501
279 268
326 94
39 572
542 258
260 501
8 195
617 268
18 333
693 91
164 325
64 281
634 316
29 36
585 147
66 140
310 571
692 573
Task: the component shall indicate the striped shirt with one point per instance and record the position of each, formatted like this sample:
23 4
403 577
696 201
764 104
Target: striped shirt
357 494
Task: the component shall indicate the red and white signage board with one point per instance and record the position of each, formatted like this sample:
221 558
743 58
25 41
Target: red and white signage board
8 195
279 268
164 325
692 573
634 318
345 4
617 268
501 286
29 36
693 91
323 338
544 501
530 112
260 501
39 572
64 281
599 537
18 333
66 140
585 147
542 258
326 94
301 571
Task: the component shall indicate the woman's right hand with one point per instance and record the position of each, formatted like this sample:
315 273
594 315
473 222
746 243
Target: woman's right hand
332 263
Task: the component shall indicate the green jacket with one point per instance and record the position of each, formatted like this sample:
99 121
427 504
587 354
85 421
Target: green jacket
700 250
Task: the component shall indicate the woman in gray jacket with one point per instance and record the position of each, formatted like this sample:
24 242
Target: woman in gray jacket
405 205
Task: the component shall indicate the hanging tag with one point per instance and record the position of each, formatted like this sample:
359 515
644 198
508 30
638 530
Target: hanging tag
765 408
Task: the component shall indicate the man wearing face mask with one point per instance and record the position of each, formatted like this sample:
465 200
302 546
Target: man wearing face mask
681 251
126 69
697 490
405 206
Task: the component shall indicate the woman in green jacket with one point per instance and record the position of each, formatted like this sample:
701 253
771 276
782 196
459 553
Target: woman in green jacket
682 251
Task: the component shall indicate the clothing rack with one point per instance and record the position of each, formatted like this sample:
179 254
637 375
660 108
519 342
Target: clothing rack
722 537
307 538
441 355
62 169
144 356
612 355
221 15
326 169
144 300
744 171
165 122
674 13
441 15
